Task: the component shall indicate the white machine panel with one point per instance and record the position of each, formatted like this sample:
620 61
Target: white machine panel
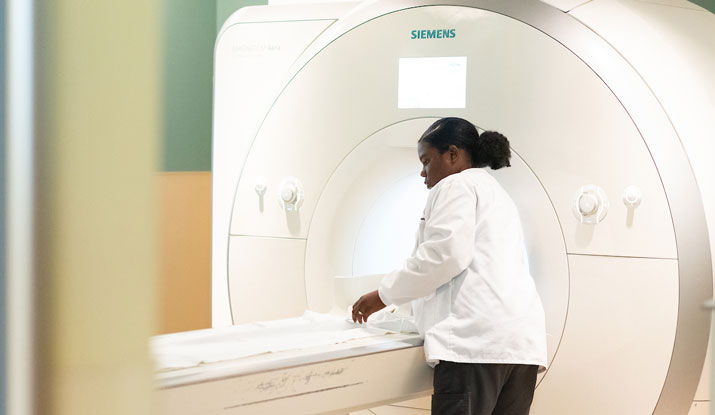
703 391
680 71
618 339
566 140
262 265
700 408
335 140
578 128
250 63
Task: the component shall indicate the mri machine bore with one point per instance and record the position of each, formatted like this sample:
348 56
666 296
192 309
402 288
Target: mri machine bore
608 106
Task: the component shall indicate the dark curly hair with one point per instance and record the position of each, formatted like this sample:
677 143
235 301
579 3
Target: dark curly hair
487 149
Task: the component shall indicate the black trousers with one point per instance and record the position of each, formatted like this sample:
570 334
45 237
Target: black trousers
483 389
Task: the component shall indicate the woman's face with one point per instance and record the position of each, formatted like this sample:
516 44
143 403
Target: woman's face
436 166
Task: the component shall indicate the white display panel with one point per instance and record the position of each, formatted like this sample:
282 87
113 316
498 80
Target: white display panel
434 82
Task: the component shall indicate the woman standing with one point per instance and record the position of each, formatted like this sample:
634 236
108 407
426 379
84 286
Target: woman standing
472 295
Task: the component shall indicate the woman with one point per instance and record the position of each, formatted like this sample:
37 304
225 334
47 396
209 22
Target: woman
472 295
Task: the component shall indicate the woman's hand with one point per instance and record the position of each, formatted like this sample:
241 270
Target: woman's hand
366 305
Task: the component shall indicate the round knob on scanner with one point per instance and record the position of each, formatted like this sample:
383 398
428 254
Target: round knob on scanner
587 204
590 204
290 194
632 196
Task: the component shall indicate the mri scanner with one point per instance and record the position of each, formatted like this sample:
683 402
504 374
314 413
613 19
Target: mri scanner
609 106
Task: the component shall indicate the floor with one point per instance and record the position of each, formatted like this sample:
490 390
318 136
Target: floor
420 406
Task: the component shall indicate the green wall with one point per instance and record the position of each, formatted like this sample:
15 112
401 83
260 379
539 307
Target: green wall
190 31
706 4
224 8
189 34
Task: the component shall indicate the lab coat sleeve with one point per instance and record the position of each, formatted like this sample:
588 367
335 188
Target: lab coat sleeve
447 248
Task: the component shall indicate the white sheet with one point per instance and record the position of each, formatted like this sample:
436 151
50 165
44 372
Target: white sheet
194 348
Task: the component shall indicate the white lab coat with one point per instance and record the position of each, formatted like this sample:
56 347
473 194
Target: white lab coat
468 278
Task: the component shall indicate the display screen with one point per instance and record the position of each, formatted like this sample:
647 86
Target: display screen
435 82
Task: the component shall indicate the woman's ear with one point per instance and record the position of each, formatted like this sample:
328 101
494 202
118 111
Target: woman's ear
453 153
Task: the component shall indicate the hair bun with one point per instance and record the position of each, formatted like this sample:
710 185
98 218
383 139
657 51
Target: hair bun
493 150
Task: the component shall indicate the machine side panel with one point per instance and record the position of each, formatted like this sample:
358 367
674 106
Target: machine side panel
700 408
618 338
250 61
703 391
680 73
258 271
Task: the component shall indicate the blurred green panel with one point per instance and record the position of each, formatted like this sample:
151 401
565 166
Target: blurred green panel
189 34
706 4
224 8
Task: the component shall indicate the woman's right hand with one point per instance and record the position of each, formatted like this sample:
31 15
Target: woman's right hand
366 305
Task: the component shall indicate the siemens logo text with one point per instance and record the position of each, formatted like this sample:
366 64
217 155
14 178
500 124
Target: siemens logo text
433 34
